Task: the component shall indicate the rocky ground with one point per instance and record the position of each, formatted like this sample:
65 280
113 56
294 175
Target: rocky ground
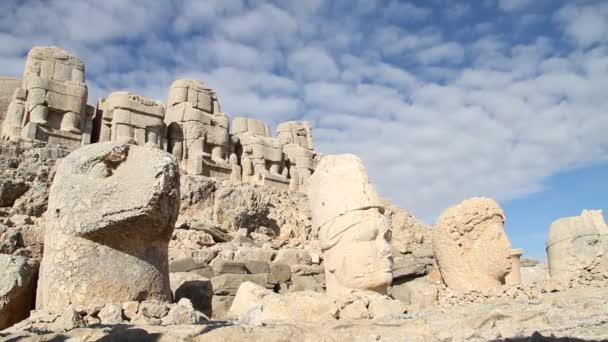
573 315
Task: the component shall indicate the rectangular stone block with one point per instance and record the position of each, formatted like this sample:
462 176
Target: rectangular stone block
64 102
193 97
228 284
77 75
185 265
205 102
229 267
257 267
62 72
47 69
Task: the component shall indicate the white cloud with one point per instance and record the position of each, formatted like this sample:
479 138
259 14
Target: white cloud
514 5
585 24
450 52
312 63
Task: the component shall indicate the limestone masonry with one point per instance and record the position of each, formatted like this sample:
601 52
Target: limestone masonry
133 219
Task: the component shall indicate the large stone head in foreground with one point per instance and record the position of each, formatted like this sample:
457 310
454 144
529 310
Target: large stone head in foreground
112 209
578 244
470 245
353 231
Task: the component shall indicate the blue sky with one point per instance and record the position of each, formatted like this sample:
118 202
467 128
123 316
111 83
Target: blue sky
443 100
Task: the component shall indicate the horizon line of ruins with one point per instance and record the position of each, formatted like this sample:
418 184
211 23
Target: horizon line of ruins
51 106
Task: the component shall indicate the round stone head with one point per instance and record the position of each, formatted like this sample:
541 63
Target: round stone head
470 245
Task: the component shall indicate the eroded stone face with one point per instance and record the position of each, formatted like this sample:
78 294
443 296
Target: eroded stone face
110 205
578 244
470 245
354 235
357 252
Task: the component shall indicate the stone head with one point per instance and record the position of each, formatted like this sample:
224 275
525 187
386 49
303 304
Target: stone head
357 252
353 231
470 245
110 186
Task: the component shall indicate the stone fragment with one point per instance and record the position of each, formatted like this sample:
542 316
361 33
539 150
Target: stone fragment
257 267
221 306
241 207
471 248
195 288
110 206
183 313
17 288
228 284
293 256
576 244
153 308
110 314
382 307
408 265
229 267
418 292
280 272
305 283
300 306
185 265
11 190
130 309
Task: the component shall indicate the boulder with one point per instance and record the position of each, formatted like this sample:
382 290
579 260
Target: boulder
17 288
195 288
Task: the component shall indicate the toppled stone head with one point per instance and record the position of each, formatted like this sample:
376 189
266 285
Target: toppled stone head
353 232
470 245
578 244
112 209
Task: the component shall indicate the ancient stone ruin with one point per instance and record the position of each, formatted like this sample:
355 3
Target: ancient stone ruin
578 246
51 104
138 220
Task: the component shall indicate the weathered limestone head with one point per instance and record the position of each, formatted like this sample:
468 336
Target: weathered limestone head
112 209
353 232
576 243
470 245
